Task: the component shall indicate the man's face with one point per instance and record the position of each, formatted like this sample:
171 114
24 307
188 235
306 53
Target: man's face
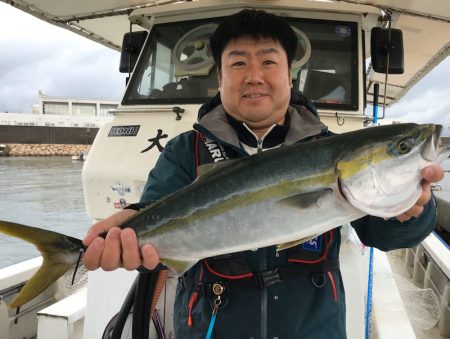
255 82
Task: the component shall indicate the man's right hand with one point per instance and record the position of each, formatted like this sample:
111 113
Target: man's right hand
120 247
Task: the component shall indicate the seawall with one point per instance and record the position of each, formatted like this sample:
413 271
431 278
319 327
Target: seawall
46 140
47 149
47 135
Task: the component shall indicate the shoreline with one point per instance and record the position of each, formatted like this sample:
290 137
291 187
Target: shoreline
45 150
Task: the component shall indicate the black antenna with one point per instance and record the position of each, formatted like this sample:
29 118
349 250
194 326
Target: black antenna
388 53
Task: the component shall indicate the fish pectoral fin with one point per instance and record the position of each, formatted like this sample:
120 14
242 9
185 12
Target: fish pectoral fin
290 244
304 200
178 266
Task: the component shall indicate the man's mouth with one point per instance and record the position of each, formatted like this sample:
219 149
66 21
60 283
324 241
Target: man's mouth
253 96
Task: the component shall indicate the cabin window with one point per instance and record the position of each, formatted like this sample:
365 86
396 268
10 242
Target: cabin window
176 65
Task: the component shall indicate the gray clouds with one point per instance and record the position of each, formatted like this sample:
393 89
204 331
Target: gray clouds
38 56
35 55
428 101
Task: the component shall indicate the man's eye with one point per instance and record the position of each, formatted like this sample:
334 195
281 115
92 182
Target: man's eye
268 62
238 64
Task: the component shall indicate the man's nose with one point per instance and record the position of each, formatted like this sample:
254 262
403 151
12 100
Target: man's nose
254 74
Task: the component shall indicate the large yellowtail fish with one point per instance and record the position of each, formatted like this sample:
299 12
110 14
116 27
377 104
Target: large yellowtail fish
279 197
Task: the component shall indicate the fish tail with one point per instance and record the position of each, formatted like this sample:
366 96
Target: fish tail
60 253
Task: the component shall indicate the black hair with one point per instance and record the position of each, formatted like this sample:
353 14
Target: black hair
254 24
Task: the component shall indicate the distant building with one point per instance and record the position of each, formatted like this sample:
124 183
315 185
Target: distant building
57 111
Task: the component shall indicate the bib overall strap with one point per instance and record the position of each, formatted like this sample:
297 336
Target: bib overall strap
261 279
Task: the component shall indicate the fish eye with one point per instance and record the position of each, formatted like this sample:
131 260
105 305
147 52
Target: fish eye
404 146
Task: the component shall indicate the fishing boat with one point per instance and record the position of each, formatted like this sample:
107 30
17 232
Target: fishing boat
165 50
79 157
4 150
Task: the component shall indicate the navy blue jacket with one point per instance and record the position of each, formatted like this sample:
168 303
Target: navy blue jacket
302 307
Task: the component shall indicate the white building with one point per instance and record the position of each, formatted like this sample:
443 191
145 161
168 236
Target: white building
57 111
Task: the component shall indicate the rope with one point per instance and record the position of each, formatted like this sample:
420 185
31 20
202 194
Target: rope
369 294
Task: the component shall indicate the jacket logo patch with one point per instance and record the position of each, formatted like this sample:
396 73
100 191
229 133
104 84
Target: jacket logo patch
314 245
217 151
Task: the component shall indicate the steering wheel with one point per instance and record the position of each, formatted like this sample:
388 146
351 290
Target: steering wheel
303 52
192 52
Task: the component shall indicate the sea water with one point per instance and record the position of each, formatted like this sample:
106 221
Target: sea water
47 192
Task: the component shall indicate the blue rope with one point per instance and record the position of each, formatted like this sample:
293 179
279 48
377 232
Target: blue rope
369 294
211 326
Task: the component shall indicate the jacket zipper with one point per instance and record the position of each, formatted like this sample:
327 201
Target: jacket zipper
260 145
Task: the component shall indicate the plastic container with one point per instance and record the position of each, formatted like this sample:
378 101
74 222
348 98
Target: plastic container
444 321
420 265
435 279
409 259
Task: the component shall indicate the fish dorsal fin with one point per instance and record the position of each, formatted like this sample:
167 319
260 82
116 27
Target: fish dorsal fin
304 200
206 168
290 244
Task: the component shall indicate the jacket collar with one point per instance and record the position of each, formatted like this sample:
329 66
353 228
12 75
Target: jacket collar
303 124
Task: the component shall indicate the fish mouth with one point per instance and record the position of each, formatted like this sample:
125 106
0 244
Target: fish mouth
431 148
435 150
340 189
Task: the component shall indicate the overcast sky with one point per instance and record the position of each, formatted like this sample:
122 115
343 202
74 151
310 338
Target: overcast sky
35 55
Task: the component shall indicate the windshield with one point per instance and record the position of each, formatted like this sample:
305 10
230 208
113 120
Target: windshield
177 67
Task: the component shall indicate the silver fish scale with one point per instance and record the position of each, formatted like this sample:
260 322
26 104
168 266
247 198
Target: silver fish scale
239 206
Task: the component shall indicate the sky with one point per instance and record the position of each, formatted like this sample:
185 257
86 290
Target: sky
35 55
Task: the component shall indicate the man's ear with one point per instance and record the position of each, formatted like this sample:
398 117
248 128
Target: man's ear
219 78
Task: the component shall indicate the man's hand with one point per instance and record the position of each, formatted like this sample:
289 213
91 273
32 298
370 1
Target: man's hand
430 174
119 248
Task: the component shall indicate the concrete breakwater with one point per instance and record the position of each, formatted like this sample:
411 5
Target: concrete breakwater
47 149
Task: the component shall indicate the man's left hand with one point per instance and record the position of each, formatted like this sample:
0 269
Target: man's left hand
430 174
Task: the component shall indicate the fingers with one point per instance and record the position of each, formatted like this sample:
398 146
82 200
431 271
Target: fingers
105 253
95 230
104 225
130 250
93 254
120 248
426 194
413 212
150 257
433 173
111 257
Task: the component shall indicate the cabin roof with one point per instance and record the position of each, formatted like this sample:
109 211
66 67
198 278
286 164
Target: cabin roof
425 26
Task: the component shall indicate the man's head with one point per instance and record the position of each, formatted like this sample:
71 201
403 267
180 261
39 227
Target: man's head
253 51
254 25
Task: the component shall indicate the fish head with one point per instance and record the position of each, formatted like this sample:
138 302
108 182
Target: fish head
381 174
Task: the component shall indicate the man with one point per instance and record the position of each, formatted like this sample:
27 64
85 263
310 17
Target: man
253 51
